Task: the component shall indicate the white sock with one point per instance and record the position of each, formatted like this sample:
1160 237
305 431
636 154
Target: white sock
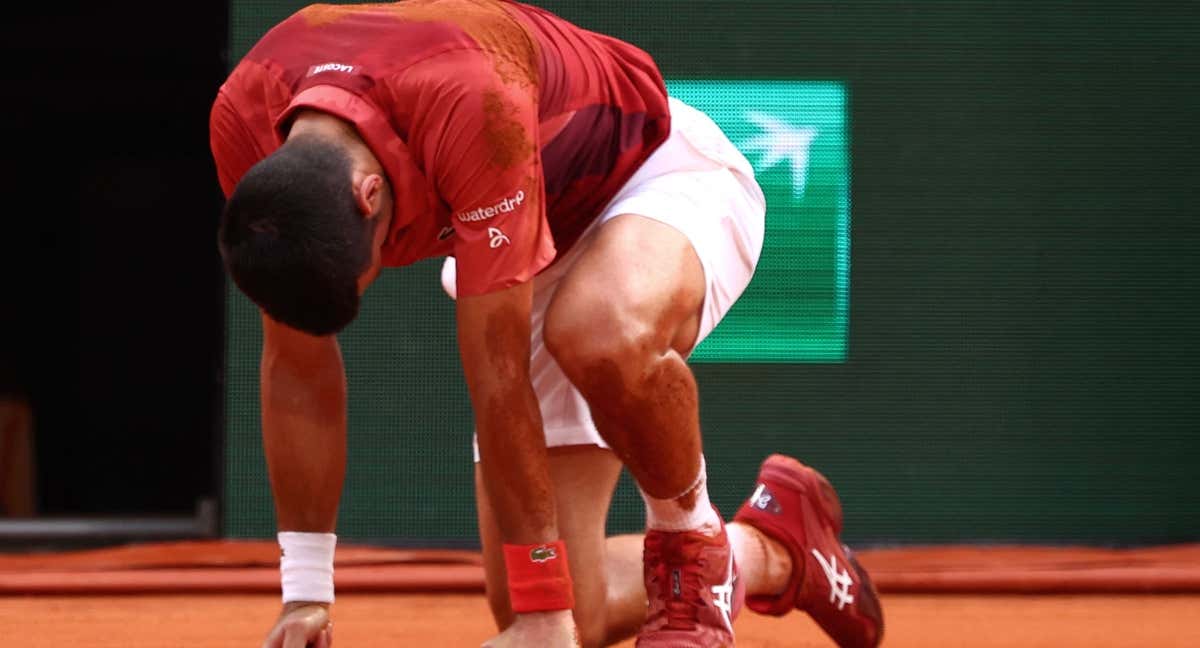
669 515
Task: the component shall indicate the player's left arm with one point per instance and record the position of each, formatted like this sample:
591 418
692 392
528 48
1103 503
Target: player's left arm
477 132
493 338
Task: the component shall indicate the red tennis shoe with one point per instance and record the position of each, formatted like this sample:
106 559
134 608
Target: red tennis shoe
796 506
693 590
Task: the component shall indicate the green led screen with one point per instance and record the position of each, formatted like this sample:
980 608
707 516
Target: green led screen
794 134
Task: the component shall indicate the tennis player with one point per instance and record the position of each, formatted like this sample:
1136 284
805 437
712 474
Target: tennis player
599 230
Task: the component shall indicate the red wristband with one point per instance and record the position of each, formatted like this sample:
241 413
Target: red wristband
538 577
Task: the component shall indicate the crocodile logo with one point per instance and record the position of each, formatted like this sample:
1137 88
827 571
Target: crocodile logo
542 553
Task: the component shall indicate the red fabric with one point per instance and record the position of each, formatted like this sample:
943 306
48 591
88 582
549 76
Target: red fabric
503 129
538 577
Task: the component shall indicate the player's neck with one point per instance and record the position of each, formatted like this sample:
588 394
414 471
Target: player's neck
324 125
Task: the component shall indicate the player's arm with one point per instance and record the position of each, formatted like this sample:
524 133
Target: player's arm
303 383
478 136
303 394
493 340
477 131
493 334
303 399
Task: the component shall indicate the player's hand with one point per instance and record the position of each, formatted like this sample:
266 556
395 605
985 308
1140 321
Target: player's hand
302 625
542 629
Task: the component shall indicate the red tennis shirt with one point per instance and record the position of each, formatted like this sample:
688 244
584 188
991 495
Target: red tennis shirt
503 129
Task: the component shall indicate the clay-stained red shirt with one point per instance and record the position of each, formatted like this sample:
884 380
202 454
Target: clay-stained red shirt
503 129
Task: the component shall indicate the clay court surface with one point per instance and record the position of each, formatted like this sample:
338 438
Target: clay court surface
224 594
370 620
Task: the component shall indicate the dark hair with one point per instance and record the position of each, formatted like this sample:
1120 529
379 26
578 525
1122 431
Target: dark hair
292 237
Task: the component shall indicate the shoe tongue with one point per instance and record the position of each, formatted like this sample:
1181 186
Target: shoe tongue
683 548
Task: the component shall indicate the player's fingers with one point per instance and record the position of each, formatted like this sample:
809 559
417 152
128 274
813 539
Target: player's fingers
324 640
274 639
296 634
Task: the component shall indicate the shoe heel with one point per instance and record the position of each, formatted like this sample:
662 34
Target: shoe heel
812 483
830 503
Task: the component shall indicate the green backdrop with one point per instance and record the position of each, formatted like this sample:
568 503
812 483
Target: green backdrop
990 320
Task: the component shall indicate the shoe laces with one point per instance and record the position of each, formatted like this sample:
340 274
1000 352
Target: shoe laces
678 561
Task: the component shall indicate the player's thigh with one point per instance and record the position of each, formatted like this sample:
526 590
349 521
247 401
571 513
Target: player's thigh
584 478
639 278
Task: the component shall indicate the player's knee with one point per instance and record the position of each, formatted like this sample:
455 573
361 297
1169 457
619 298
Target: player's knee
597 342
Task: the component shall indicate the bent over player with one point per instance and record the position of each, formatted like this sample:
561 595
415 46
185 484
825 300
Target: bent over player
599 230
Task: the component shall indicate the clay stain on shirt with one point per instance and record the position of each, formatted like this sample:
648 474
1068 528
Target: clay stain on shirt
511 49
508 141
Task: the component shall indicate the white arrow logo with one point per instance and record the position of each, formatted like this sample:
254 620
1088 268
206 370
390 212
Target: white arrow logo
839 580
723 595
782 141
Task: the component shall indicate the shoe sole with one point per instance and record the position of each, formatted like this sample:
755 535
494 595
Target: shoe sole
869 598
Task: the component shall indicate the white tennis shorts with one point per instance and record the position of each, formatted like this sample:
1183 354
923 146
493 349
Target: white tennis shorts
698 183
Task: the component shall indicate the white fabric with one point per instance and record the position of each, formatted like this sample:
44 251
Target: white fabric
669 515
306 566
698 183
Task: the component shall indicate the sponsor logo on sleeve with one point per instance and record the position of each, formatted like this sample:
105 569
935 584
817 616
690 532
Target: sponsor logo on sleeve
491 211
497 237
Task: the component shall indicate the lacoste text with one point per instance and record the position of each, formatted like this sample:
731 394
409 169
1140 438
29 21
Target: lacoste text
330 67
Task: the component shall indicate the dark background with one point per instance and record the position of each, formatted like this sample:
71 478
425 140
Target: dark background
111 288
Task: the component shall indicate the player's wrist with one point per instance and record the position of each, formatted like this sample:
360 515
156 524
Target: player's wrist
547 618
539 579
306 567
296 605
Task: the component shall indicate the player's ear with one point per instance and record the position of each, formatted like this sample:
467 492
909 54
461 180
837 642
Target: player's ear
368 193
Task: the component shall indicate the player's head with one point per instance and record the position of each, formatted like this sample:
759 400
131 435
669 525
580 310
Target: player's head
301 233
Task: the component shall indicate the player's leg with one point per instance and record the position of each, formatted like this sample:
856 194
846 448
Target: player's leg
584 478
797 507
765 567
785 538
672 254
621 326
666 260
607 572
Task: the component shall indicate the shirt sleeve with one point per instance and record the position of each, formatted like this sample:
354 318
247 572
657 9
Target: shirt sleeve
234 149
475 125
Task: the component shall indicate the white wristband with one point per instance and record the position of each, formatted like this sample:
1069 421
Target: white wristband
306 566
